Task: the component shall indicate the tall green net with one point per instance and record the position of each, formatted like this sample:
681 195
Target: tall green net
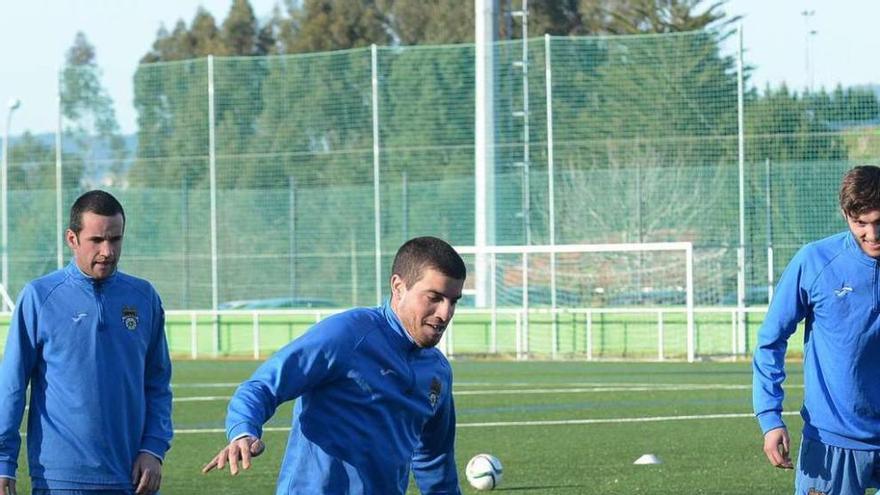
645 147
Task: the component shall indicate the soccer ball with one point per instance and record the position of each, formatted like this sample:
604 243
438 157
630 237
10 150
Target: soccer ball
484 472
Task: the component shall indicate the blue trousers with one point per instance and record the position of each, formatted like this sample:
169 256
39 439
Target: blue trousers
826 470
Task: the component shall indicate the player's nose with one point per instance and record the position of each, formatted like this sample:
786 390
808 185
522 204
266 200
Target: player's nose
445 310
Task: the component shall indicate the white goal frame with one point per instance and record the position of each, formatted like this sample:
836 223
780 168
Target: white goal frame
485 255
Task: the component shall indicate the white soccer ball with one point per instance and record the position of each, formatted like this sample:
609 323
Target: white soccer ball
484 472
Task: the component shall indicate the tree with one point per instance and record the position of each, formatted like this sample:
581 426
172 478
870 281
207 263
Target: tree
326 25
89 114
651 16
417 22
240 30
784 126
269 36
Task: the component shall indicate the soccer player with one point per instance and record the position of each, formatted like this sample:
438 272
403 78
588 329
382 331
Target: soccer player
833 284
374 394
91 342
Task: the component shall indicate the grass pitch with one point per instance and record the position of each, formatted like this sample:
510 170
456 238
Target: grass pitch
558 428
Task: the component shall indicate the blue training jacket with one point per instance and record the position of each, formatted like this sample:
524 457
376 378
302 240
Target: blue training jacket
835 287
95 355
372 406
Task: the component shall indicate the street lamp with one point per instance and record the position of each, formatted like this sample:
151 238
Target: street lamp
808 40
4 187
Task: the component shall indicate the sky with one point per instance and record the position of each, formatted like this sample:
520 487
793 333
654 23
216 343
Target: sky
35 34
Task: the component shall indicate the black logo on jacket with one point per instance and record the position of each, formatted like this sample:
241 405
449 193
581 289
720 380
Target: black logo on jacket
434 395
130 317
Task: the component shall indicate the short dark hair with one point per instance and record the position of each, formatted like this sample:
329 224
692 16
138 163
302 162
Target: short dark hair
860 191
98 202
427 252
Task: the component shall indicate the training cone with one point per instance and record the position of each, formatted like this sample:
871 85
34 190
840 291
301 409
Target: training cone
648 459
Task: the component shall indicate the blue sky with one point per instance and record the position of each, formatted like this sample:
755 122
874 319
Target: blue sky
35 34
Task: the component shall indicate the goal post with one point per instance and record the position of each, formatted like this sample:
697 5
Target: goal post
593 277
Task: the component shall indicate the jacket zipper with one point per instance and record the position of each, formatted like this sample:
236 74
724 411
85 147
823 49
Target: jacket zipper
99 300
875 288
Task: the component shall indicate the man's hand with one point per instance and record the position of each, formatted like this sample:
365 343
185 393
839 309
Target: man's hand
240 449
7 486
776 448
146 475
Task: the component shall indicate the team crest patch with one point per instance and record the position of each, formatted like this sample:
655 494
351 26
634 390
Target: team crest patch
434 395
130 317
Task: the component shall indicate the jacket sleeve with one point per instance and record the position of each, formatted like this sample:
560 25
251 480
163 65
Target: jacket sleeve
19 358
292 371
433 463
789 306
158 429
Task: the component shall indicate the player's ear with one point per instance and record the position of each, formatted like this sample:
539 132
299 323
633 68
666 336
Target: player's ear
72 240
398 286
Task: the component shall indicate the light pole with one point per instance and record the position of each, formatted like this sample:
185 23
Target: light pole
4 188
808 40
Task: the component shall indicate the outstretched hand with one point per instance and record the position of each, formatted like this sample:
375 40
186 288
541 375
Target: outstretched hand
777 448
242 449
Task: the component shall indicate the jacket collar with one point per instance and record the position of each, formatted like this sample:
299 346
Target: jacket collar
852 244
401 338
77 275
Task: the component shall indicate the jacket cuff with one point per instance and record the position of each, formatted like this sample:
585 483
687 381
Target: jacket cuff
242 429
7 469
157 456
770 420
154 446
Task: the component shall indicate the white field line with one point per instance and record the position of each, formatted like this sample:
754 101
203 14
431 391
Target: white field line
571 390
496 424
670 388
201 398
204 385
582 390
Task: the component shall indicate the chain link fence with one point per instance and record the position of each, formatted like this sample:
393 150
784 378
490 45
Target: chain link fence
323 164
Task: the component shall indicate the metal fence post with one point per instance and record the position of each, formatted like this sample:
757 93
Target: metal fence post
660 335
588 335
377 209
548 92
741 249
256 319
212 166
194 335
59 184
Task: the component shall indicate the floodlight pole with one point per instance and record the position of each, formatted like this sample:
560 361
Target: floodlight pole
808 34
4 188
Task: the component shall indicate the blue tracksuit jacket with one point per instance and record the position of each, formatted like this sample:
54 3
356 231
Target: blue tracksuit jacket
95 355
372 406
835 287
